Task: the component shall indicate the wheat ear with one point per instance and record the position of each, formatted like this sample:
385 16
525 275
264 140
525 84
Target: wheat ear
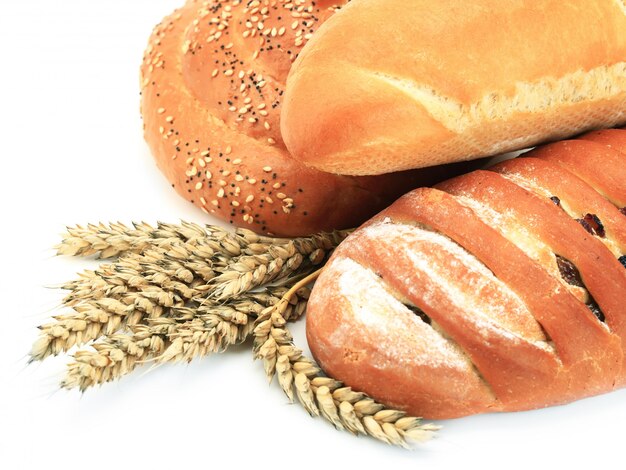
163 268
321 395
188 332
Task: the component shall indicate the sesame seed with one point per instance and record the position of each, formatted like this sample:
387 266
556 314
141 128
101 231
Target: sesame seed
252 181
228 150
269 199
225 172
267 169
238 178
161 110
201 162
203 201
215 202
203 153
281 195
250 198
215 72
220 193
208 175
169 119
266 125
235 203
198 186
270 141
237 161
229 72
276 185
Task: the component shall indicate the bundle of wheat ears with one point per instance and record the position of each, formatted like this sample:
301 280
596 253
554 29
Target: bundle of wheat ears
178 292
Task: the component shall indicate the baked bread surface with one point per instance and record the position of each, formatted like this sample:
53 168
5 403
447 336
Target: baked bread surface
212 83
387 85
498 290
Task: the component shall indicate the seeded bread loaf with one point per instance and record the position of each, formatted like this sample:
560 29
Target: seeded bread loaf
387 85
498 290
212 86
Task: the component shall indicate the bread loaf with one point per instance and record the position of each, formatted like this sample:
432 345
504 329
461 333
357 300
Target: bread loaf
498 290
212 86
387 85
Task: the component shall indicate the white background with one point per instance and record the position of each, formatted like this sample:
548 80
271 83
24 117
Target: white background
71 151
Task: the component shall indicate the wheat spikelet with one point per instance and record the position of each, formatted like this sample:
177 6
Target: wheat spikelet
190 332
163 340
324 396
115 239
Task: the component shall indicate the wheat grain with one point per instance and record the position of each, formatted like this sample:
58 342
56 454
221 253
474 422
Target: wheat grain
190 332
116 239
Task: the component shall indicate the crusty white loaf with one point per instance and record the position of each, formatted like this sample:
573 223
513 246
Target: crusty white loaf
387 85
499 290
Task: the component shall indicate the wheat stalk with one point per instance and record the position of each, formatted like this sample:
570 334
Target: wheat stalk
115 239
190 333
321 395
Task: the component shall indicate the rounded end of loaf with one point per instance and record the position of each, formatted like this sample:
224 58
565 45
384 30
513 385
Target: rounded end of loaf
357 126
358 332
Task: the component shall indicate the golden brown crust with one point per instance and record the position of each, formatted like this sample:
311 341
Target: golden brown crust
521 270
378 90
593 162
212 84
